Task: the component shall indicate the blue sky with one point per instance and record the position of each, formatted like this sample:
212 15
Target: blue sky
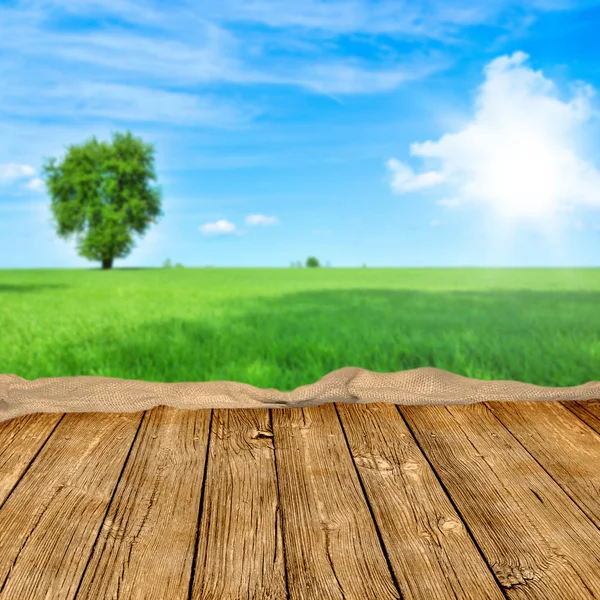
384 132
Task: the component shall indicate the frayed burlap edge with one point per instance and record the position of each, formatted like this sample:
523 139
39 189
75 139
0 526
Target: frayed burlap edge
352 385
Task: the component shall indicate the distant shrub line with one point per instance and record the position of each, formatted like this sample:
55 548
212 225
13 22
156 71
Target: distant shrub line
311 263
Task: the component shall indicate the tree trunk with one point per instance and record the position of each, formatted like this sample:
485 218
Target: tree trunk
107 263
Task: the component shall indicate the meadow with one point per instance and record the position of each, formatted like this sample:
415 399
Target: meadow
281 328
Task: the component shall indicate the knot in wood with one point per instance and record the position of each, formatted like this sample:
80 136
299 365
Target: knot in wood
449 524
512 575
261 433
410 466
374 461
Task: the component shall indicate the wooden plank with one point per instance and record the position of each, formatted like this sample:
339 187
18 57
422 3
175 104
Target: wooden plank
146 544
567 449
538 542
588 412
20 440
48 525
430 550
331 543
240 545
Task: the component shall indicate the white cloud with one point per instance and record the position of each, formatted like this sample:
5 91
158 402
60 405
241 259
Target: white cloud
197 44
432 19
520 152
352 77
190 51
10 172
36 184
261 220
218 227
124 103
406 180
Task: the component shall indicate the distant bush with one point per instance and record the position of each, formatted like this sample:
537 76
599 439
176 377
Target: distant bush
168 264
312 262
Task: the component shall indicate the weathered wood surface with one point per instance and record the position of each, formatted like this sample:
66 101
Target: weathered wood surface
331 544
20 441
564 446
489 501
149 532
535 538
431 551
50 521
240 545
588 412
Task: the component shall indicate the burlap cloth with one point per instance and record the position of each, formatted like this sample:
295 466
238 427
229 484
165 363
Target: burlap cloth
352 385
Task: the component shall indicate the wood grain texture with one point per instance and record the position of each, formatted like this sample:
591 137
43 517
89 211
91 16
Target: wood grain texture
146 544
240 544
20 440
97 506
331 543
430 550
48 525
566 447
538 542
588 412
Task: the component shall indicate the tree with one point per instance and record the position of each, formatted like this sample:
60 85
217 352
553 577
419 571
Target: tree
311 261
103 193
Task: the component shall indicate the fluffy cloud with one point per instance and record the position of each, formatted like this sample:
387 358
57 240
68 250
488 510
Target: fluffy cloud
222 226
216 228
405 180
519 153
261 220
11 172
36 184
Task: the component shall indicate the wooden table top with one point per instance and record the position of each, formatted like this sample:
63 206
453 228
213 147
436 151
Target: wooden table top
339 501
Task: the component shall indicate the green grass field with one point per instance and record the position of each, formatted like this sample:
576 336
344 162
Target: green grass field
283 328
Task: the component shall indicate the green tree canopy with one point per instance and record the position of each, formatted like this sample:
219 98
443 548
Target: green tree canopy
102 193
